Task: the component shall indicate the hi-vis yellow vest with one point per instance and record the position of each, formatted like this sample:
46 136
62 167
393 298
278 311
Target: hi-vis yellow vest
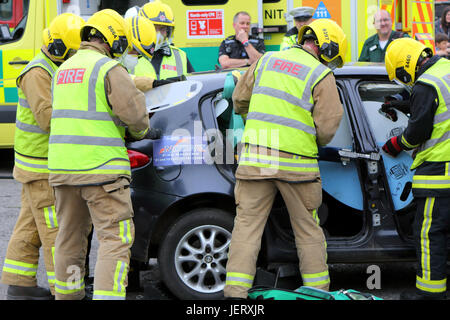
85 136
30 141
280 112
437 148
173 66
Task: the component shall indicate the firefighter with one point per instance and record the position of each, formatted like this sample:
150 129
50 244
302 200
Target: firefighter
302 16
37 225
414 65
168 60
293 106
88 161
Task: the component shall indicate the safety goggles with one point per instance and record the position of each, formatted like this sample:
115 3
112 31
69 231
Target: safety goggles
119 46
57 48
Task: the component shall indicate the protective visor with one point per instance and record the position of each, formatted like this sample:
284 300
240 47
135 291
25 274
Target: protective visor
119 46
57 48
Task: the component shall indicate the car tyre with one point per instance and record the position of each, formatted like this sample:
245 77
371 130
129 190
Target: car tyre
193 254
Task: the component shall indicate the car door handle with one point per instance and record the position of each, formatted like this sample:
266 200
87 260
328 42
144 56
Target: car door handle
24 62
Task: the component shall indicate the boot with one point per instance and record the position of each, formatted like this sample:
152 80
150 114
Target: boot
416 295
28 293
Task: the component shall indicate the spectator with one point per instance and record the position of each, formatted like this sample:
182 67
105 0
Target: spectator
443 24
374 48
442 45
241 49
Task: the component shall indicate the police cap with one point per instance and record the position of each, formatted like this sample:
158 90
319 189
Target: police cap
302 13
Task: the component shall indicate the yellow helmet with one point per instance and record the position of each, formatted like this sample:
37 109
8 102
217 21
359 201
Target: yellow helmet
63 35
143 35
110 26
403 59
159 13
331 40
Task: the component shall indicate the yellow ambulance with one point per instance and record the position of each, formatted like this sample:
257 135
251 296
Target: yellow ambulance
21 26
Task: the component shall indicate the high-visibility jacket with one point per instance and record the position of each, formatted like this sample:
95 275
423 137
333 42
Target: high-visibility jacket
280 111
30 141
86 136
171 66
437 148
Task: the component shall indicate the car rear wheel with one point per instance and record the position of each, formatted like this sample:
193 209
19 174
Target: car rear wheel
193 254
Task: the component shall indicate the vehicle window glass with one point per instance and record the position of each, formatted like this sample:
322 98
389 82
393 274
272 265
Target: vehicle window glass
203 2
373 95
343 137
6 11
13 19
271 1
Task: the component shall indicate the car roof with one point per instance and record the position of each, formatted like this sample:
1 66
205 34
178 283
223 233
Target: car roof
361 69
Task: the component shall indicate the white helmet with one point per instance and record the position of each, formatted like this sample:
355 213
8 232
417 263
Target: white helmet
132 12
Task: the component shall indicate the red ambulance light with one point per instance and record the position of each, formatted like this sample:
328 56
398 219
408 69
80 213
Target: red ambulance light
66 1
137 159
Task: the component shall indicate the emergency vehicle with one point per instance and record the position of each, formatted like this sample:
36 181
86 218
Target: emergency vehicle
200 27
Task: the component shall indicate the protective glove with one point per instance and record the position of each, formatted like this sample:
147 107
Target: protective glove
153 134
392 147
158 83
400 105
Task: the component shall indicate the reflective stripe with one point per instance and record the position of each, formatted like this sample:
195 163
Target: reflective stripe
316 279
29 128
32 165
445 94
277 164
261 67
92 96
432 142
83 140
239 279
18 267
304 104
178 62
307 93
69 287
50 217
316 216
51 277
281 121
108 295
424 239
39 61
86 115
24 103
125 231
434 286
431 182
120 276
407 144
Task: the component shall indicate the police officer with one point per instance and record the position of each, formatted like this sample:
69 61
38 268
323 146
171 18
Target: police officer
168 60
293 105
88 161
428 131
37 224
302 16
241 49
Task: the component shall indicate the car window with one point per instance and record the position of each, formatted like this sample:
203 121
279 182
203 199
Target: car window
373 95
13 19
343 136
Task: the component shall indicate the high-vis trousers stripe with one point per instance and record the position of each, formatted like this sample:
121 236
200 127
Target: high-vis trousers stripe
50 217
432 286
316 279
18 267
239 279
62 287
424 239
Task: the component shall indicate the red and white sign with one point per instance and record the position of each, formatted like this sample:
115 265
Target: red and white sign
205 24
70 76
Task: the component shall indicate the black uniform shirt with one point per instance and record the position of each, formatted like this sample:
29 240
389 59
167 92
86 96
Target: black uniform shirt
235 49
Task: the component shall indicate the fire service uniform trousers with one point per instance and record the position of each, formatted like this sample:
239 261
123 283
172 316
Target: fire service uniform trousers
108 208
431 229
36 226
254 200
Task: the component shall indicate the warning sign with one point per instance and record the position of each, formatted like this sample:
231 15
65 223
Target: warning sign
204 24
322 12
